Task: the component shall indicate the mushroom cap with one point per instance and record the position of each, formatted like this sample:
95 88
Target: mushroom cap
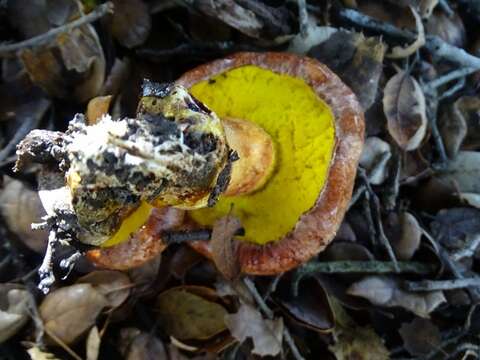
317 226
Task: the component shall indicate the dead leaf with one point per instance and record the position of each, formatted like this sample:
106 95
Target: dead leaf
385 291
420 336
315 35
37 354
190 312
14 305
20 206
399 52
353 342
139 345
224 246
375 156
356 59
469 106
405 234
70 311
131 22
449 28
452 227
93 344
343 250
114 285
404 107
453 128
471 199
266 334
97 107
463 172
426 8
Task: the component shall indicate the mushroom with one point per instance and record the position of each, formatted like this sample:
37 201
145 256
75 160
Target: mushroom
277 136
298 131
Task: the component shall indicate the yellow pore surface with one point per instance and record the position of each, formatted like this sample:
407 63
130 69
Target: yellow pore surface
302 128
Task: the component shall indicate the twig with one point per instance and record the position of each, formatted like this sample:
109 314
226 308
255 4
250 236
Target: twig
177 237
269 314
432 285
435 45
94 15
303 17
63 345
446 7
453 75
451 91
469 250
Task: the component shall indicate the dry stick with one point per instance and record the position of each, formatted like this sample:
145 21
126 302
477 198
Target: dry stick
303 17
432 285
41 39
269 314
469 250
452 75
451 91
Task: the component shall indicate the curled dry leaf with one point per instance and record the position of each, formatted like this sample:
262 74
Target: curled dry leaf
404 107
93 344
20 207
37 354
70 311
224 246
374 159
385 291
114 285
420 336
97 107
453 128
14 304
399 52
356 59
131 22
405 234
248 323
190 312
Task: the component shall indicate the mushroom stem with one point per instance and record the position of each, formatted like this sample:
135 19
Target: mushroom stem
256 152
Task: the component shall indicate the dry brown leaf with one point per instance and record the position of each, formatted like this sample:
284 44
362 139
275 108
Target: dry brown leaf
190 312
37 354
374 159
131 22
224 246
93 344
14 304
97 107
70 311
20 207
406 234
399 52
404 107
266 335
420 336
453 128
114 285
385 291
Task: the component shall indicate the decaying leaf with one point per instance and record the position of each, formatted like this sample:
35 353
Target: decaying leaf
469 107
353 342
131 22
224 246
114 285
14 304
452 227
37 354
70 311
93 344
97 107
139 345
385 291
399 52
404 107
405 234
20 207
190 312
453 128
447 27
248 323
463 172
374 159
420 336
356 59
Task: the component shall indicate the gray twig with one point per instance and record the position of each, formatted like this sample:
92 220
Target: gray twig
432 285
41 39
452 75
303 17
469 249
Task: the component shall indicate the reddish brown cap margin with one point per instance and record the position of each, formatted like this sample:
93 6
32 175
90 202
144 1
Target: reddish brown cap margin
317 227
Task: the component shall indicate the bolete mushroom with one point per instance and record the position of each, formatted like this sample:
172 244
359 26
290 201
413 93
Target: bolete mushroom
296 133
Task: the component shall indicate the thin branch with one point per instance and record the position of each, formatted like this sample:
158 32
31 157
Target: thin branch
41 39
303 17
452 75
433 285
469 249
